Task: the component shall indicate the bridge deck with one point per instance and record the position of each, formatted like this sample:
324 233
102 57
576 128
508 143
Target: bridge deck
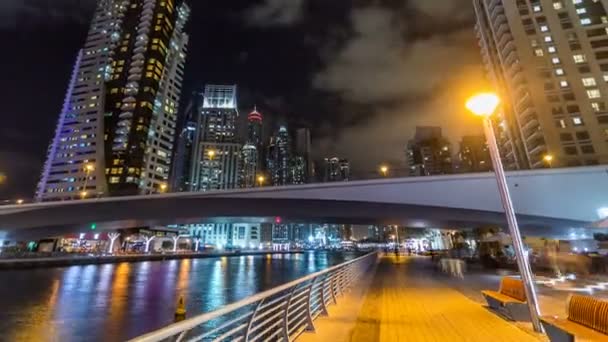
406 302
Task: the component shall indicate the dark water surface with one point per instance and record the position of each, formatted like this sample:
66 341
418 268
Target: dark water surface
115 302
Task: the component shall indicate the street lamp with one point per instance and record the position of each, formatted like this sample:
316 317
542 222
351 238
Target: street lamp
163 187
88 168
384 170
549 159
20 201
485 105
261 180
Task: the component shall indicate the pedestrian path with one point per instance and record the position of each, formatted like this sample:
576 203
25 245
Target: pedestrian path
407 302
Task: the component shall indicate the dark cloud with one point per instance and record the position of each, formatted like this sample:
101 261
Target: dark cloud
403 75
24 13
275 13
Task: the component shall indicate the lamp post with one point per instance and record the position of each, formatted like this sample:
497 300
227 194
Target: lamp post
549 159
261 180
87 168
485 105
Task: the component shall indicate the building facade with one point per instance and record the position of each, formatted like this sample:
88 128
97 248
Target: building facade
548 61
115 132
217 153
429 153
474 155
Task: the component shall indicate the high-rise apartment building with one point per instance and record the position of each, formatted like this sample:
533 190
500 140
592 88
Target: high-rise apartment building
429 153
336 170
115 132
548 61
216 155
474 155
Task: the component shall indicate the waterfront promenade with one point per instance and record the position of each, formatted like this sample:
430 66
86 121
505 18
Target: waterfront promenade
408 301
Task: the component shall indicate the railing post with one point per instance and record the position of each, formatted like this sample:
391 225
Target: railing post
311 326
332 290
286 315
323 306
250 323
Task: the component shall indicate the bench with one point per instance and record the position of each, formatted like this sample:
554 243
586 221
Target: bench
510 300
587 320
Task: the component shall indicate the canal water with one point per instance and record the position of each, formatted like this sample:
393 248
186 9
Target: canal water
114 302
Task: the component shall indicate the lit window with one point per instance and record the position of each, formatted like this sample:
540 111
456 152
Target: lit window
581 10
544 28
577 121
579 59
537 8
555 60
593 93
597 106
562 123
589 82
539 52
548 39
585 21
558 5
563 84
551 49
559 71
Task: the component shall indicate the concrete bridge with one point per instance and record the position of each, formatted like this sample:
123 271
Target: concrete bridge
550 201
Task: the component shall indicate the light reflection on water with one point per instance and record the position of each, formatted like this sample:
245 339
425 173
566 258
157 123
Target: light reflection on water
116 302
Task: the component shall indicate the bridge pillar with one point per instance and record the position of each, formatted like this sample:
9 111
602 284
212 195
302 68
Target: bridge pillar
148 240
113 237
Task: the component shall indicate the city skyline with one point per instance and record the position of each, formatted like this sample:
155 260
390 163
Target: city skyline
305 97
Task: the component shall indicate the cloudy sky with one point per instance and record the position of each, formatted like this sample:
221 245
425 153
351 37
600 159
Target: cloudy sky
361 73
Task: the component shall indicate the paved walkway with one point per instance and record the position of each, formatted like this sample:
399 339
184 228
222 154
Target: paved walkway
407 302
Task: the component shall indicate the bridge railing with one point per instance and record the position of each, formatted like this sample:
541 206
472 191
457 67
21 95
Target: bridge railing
281 313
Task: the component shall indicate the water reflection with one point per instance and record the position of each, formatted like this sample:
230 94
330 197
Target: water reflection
116 302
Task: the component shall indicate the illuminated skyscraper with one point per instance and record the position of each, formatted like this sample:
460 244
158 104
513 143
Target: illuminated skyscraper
115 132
250 155
548 61
474 155
279 154
216 156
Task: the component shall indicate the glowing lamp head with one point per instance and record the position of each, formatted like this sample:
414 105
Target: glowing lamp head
163 187
483 104
89 167
384 169
548 158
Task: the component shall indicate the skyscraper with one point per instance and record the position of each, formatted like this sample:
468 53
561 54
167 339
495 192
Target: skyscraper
429 153
250 155
303 150
547 60
474 155
115 132
216 156
279 154
336 170
182 159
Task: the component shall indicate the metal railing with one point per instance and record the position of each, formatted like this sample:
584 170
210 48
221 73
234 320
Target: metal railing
279 314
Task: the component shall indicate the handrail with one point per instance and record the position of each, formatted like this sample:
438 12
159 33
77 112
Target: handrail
250 319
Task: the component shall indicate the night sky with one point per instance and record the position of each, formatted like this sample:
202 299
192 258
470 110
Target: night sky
361 73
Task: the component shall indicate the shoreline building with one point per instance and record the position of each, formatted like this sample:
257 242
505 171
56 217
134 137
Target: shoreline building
548 61
115 132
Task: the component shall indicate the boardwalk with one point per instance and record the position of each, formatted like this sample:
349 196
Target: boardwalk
407 302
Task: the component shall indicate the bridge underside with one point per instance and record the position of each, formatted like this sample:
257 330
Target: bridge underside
49 221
